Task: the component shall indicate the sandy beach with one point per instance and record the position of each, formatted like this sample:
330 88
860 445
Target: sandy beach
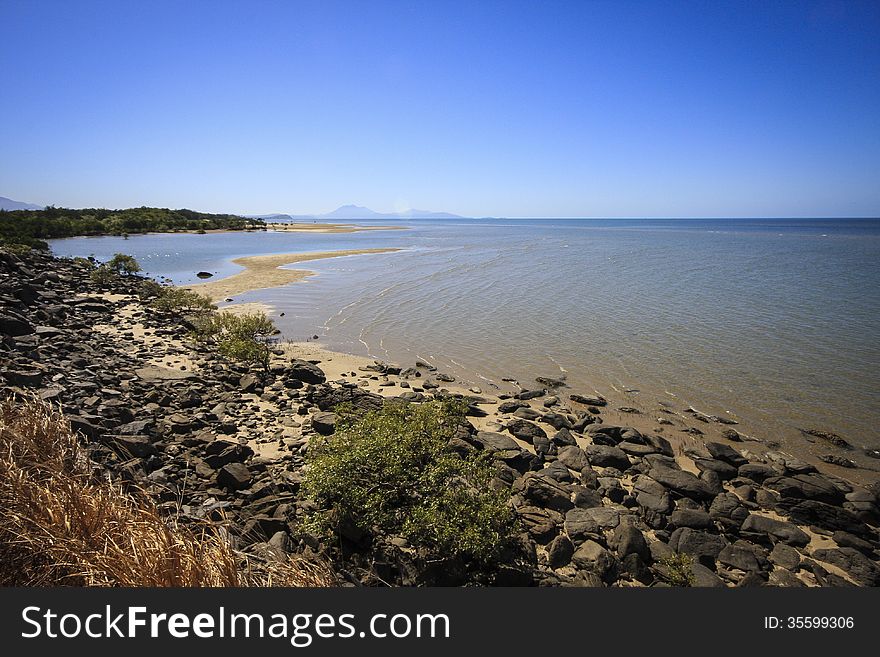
265 271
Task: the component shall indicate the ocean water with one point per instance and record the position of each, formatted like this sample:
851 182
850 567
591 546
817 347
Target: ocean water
774 322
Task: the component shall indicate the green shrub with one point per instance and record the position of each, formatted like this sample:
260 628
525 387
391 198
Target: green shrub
176 299
677 569
124 264
103 275
393 470
240 337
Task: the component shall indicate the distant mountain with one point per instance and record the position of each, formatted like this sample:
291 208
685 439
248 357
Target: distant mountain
350 212
9 204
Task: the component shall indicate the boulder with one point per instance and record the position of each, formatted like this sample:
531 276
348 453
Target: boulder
683 483
560 551
863 570
580 525
234 476
546 492
626 540
324 422
525 430
302 370
702 546
592 557
604 456
573 457
765 528
587 400
726 453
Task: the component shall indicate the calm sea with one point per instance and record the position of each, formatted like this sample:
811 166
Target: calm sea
776 322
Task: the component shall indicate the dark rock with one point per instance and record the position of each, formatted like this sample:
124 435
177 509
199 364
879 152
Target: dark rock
139 446
626 540
863 571
305 371
324 423
204 274
739 558
248 383
683 483
726 453
704 547
604 456
234 476
723 470
14 326
727 510
573 457
763 527
530 394
588 401
494 442
556 421
546 492
525 431
810 486
592 557
757 472
827 516
693 518
828 437
839 461
85 427
560 551
563 438
511 406
580 525
327 398
845 539
785 556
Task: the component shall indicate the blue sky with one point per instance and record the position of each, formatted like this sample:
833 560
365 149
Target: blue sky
479 108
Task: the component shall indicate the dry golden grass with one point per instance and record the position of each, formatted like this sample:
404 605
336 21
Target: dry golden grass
61 527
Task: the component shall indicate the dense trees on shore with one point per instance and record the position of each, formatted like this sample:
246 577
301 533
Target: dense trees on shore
32 227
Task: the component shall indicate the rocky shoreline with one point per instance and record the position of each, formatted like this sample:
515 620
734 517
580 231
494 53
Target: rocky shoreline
600 502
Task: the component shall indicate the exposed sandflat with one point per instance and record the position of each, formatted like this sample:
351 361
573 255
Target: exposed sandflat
265 271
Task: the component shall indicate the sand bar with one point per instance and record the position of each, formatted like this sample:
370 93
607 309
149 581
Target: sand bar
303 227
265 271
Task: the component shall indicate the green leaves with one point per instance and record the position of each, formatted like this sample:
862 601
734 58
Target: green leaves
393 470
240 337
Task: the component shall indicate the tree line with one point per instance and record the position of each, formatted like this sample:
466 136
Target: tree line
33 227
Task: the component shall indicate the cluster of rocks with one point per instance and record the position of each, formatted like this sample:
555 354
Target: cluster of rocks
598 504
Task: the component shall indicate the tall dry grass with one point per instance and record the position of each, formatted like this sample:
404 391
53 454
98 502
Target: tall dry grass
59 526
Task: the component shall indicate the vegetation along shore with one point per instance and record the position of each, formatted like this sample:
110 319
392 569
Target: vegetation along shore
138 414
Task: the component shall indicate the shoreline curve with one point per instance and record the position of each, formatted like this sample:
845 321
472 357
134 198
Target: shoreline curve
264 271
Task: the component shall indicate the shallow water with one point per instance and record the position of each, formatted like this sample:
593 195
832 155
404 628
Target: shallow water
772 321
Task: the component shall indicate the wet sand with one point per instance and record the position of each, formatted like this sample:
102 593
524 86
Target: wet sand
265 271
301 227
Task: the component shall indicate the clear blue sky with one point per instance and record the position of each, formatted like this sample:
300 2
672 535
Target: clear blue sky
479 108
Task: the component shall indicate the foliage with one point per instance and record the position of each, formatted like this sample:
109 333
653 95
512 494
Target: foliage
124 264
103 275
393 470
677 569
32 227
176 299
240 337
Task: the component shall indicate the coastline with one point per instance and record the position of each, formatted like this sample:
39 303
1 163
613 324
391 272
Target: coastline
686 427
599 500
264 271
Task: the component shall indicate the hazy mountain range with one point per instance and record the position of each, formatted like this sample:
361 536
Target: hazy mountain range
347 212
344 212
9 204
